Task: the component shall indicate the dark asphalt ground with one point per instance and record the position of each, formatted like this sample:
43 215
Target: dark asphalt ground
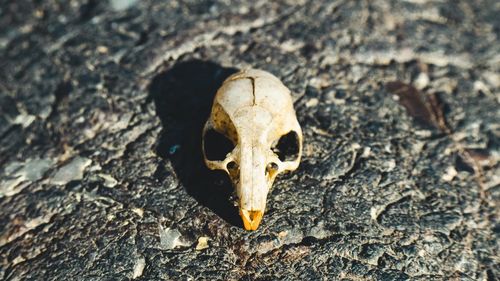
101 109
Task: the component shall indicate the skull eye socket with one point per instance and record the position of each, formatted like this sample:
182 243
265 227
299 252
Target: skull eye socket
287 147
216 146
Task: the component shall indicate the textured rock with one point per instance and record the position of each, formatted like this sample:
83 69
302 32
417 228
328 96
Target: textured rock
101 110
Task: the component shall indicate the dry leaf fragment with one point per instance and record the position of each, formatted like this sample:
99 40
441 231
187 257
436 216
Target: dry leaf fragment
425 109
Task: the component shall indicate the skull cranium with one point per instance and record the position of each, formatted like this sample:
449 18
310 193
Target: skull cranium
253 135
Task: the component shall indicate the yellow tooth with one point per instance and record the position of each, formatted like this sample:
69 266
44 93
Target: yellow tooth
251 219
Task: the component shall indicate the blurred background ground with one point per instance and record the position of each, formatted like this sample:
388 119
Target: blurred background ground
101 105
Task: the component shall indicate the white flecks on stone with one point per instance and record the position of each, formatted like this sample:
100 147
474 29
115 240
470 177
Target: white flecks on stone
24 120
120 5
466 264
493 182
423 133
170 238
319 231
390 165
282 234
46 110
291 45
357 73
17 260
375 211
451 172
492 78
384 111
285 237
71 171
387 148
367 151
95 167
22 172
102 49
109 181
138 211
480 86
120 122
312 102
140 263
202 243
355 146
290 236
336 101
417 146
319 82
422 81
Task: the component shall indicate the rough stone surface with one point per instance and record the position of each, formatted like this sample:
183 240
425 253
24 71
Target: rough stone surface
110 99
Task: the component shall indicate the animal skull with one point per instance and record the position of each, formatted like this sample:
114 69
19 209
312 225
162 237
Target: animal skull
253 135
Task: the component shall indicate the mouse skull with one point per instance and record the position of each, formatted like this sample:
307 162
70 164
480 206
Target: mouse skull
253 135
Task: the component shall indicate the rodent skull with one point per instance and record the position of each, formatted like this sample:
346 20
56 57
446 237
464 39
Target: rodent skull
252 134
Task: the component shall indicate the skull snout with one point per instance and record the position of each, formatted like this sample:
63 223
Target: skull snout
253 186
251 219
